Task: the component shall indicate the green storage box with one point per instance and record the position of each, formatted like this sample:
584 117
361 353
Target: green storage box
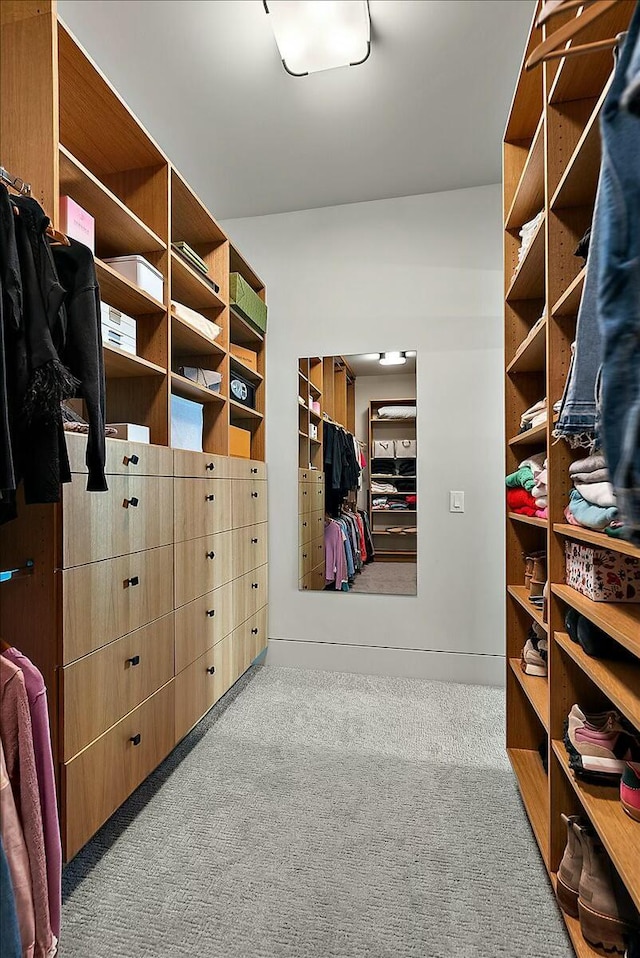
247 302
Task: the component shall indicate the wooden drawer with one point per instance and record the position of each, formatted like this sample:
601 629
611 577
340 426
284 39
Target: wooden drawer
201 507
310 527
249 502
100 778
314 581
122 457
247 469
102 687
311 556
104 600
249 640
201 623
201 684
249 594
200 465
201 565
306 498
317 552
310 475
135 514
250 548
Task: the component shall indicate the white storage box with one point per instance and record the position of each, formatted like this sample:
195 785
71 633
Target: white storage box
131 431
113 337
118 329
186 424
141 272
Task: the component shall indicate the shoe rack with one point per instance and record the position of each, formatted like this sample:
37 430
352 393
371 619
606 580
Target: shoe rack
551 159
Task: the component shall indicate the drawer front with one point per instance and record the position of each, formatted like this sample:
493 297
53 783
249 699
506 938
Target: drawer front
247 469
249 503
98 780
202 623
135 514
250 548
316 496
310 475
249 640
200 465
201 684
202 507
317 553
102 687
314 581
201 565
104 600
311 556
310 527
306 498
122 457
249 595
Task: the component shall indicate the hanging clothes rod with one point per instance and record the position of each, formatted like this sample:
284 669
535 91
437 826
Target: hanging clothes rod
27 569
15 182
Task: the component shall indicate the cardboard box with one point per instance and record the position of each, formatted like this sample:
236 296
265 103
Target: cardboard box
239 442
244 355
77 223
131 431
601 574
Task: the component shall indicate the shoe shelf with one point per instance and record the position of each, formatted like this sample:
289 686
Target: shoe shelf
530 355
596 539
529 196
529 520
568 303
532 437
619 834
533 784
581 947
618 679
528 280
620 621
521 594
536 689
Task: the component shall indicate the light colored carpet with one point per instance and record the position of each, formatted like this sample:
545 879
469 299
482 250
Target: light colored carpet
321 815
387 578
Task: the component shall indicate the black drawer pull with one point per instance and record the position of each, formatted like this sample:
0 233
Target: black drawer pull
211 613
254 495
304 475
135 739
134 460
134 580
211 669
211 555
254 585
254 542
134 660
130 502
210 466
211 497
254 631
254 471
304 524
304 555
304 493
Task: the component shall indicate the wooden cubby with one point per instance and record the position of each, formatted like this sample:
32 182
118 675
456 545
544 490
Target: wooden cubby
551 159
65 130
392 546
329 381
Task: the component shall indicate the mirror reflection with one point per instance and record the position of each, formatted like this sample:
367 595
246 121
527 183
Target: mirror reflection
357 473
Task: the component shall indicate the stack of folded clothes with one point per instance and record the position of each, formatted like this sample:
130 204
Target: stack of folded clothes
592 502
378 486
383 467
527 233
540 493
521 485
534 416
379 502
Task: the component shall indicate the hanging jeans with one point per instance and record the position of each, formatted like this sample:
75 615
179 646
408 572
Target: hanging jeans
619 290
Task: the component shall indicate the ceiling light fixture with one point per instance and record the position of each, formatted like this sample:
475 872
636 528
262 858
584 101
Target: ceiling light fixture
315 35
392 359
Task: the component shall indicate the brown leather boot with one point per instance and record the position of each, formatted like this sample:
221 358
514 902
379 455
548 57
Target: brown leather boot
570 868
608 916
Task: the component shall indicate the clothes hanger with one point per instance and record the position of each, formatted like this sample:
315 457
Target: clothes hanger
24 189
55 235
553 7
553 46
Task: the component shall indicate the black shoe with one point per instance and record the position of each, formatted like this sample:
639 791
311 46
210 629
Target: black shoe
633 947
593 640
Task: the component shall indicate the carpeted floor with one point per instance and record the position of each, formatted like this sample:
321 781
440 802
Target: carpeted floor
321 815
387 578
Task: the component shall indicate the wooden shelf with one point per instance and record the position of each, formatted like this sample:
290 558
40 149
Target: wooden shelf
569 302
304 435
618 832
186 341
521 594
395 512
380 475
191 221
184 387
315 415
528 281
238 411
532 437
529 520
581 947
248 372
596 539
384 532
534 789
406 419
531 354
316 442
536 688
529 196
238 264
121 365
190 288
243 334
120 292
619 680
580 178
620 621
118 231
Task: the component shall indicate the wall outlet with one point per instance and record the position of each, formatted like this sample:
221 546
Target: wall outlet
456 502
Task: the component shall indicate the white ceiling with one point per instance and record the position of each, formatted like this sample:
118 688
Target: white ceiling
425 113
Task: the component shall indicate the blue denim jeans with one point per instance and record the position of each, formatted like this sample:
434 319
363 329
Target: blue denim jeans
618 304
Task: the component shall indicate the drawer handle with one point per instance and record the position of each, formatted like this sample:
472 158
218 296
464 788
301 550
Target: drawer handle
254 471
130 502
134 660
134 580
254 585
135 739
210 466
304 475
211 669
211 497
254 631
304 493
211 613
254 495
133 460
254 542
211 555
304 524
304 555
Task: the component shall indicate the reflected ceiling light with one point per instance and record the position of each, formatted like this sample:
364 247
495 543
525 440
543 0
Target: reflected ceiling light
315 35
392 359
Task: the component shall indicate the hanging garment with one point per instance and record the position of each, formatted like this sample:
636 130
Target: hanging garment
631 95
18 862
335 555
11 942
367 535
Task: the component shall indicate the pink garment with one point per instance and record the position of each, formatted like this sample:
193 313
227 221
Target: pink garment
334 554
18 861
571 519
542 513
37 698
17 743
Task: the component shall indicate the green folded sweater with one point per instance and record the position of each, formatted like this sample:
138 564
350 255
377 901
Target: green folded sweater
522 477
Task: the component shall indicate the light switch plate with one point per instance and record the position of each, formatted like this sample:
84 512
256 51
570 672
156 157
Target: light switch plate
456 501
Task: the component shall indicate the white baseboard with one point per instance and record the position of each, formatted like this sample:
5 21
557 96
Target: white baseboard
462 667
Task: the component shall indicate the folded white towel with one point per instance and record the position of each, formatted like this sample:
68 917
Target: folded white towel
535 463
597 493
539 490
542 502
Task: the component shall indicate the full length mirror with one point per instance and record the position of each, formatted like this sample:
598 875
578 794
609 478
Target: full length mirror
358 473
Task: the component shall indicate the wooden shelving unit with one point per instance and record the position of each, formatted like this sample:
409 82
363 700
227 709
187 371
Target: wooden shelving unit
393 544
551 158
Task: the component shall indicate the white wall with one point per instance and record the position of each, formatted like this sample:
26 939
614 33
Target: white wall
424 273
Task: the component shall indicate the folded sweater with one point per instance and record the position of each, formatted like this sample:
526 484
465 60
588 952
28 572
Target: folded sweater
521 501
598 493
522 477
590 464
588 515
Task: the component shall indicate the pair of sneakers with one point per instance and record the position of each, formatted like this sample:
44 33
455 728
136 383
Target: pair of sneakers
533 660
583 632
600 745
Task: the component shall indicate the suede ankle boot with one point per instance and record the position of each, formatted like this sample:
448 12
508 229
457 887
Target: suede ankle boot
608 917
570 869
